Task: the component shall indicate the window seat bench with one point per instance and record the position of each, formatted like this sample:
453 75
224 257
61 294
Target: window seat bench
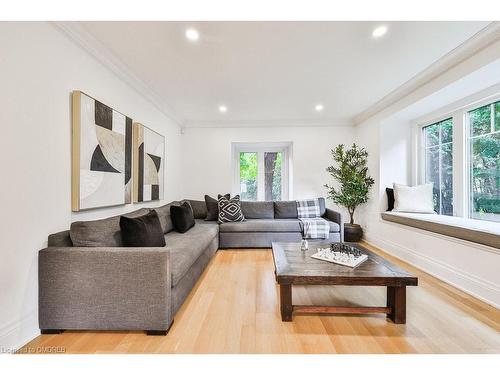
482 232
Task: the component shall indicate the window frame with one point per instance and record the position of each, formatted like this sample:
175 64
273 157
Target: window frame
459 112
260 148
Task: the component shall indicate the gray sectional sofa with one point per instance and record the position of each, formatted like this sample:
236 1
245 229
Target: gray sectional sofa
267 222
89 281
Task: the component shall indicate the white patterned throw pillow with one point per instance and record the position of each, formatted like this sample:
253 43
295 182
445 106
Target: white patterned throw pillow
230 209
416 199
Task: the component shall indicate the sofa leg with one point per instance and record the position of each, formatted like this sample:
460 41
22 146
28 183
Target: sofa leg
159 332
51 331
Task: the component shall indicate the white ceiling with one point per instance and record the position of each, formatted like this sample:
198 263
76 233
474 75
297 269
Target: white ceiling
275 72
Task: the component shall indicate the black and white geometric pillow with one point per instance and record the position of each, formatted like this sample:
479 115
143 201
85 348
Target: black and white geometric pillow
230 209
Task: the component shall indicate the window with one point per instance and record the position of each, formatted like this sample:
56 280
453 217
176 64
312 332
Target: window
459 152
262 171
438 145
484 162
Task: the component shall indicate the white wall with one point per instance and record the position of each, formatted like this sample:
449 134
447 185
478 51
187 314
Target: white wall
470 267
39 67
206 156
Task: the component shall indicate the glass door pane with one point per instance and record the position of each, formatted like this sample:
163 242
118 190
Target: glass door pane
272 175
248 176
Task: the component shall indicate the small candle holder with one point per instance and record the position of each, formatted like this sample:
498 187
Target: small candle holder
304 244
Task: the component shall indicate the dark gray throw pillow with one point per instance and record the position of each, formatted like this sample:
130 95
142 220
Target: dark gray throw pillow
212 208
182 217
142 231
390 198
230 209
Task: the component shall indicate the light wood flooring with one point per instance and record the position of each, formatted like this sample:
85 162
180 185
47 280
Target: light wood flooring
234 308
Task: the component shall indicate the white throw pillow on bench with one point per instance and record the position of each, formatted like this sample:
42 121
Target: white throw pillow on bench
417 199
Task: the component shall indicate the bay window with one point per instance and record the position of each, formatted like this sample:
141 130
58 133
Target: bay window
460 155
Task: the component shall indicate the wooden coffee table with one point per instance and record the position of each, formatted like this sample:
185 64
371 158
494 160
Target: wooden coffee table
296 267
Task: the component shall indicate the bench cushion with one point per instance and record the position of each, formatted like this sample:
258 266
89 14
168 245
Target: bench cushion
482 232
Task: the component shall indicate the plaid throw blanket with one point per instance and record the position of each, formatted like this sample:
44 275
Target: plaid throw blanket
313 226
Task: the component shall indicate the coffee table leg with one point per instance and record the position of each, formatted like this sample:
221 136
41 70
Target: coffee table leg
396 300
286 302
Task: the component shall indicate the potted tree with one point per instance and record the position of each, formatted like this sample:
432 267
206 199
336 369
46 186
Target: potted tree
351 172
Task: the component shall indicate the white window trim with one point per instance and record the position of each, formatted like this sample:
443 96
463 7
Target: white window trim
458 111
261 147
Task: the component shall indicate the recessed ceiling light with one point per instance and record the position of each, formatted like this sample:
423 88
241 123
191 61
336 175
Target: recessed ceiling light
379 31
222 109
192 34
318 107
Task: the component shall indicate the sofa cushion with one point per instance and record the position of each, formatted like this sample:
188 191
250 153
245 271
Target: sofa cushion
269 225
164 216
185 248
263 225
142 231
257 210
100 233
199 208
182 217
60 239
285 210
334 227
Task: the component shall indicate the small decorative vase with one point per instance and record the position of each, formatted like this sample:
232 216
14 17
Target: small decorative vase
304 245
352 233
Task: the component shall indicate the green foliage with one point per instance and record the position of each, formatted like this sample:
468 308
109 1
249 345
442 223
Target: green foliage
248 165
486 173
249 172
485 163
439 164
248 175
480 120
351 172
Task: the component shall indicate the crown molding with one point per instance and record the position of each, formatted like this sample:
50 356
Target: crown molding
78 34
479 41
262 123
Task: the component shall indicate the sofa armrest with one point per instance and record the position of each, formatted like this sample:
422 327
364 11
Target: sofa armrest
104 288
336 217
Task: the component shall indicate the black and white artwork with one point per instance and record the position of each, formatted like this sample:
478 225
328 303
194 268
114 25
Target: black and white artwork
149 163
102 152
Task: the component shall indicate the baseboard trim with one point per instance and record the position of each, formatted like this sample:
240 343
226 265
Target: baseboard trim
18 333
466 282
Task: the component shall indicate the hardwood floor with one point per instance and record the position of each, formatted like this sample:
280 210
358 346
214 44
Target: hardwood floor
234 308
